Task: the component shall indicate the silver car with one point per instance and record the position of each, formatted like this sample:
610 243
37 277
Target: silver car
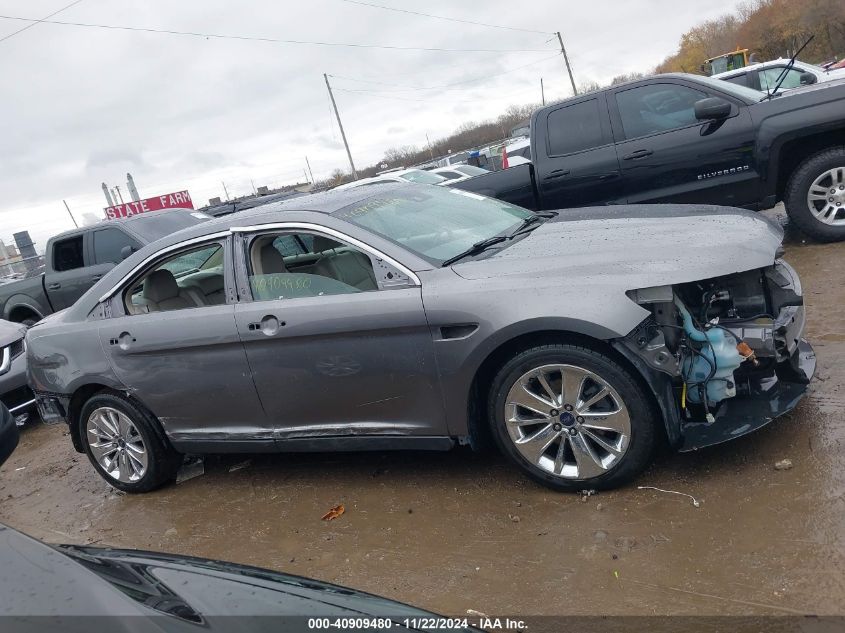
405 316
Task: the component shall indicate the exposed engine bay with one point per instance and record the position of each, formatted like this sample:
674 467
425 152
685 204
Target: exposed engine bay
726 339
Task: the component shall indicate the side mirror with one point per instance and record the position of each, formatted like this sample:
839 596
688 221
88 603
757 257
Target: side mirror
126 251
711 109
808 79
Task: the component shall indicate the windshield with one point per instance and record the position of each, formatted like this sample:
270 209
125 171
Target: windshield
421 177
433 222
742 92
154 225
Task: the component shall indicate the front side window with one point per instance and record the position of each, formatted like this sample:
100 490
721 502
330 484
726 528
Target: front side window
657 108
574 128
437 223
291 265
769 78
109 244
67 254
190 279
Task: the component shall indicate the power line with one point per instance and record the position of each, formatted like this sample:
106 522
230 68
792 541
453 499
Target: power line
35 22
443 17
442 86
272 40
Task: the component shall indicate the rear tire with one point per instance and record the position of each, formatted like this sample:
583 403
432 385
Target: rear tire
572 437
815 195
125 444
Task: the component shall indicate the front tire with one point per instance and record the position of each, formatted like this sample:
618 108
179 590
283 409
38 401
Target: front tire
125 445
815 195
572 418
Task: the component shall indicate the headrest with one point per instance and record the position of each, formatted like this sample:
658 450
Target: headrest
271 260
160 285
322 243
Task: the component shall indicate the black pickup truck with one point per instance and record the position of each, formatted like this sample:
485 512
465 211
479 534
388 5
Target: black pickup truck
76 259
687 139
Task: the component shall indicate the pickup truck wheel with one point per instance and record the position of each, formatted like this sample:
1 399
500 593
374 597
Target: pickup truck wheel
815 196
124 445
572 418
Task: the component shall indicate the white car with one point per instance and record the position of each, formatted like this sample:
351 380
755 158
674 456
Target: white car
519 152
764 76
458 173
417 176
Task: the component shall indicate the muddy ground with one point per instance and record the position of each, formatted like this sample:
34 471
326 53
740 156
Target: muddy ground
457 531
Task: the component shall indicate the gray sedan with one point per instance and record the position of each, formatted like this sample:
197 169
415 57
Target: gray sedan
419 317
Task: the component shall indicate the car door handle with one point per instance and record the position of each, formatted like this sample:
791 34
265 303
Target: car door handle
124 341
557 173
53 286
640 153
269 325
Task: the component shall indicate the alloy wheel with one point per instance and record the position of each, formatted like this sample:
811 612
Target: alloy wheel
568 421
826 197
116 444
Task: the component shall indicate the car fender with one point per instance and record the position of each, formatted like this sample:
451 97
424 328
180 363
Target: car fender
23 301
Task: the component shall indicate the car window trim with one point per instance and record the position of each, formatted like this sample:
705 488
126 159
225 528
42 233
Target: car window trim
154 256
308 226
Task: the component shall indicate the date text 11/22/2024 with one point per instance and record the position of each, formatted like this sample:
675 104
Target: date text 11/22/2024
416 623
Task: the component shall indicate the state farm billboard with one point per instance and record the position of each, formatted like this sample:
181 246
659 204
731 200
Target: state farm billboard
176 200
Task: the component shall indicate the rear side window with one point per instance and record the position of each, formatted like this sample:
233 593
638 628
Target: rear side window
67 254
109 244
657 108
575 128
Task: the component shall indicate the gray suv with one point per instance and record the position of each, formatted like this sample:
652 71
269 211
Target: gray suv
419 317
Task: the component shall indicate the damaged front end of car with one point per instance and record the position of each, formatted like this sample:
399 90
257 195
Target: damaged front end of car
724 355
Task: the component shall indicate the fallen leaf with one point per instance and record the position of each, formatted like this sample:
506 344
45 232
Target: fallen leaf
335 512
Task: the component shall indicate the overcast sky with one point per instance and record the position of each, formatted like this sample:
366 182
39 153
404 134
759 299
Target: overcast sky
85 105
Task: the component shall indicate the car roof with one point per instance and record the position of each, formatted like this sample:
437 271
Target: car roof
323 202
772 62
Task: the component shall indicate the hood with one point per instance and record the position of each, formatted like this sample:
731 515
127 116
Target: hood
10 332
40 580
650 244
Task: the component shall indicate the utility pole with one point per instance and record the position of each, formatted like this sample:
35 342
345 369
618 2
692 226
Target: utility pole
254 192
340 125
542 91
566 59
70 214
310 173
430 150
226 191
305 171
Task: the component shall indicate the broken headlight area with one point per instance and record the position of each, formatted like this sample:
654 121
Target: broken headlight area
732 346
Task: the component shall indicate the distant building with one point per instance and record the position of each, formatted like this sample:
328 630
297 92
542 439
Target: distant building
213 202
